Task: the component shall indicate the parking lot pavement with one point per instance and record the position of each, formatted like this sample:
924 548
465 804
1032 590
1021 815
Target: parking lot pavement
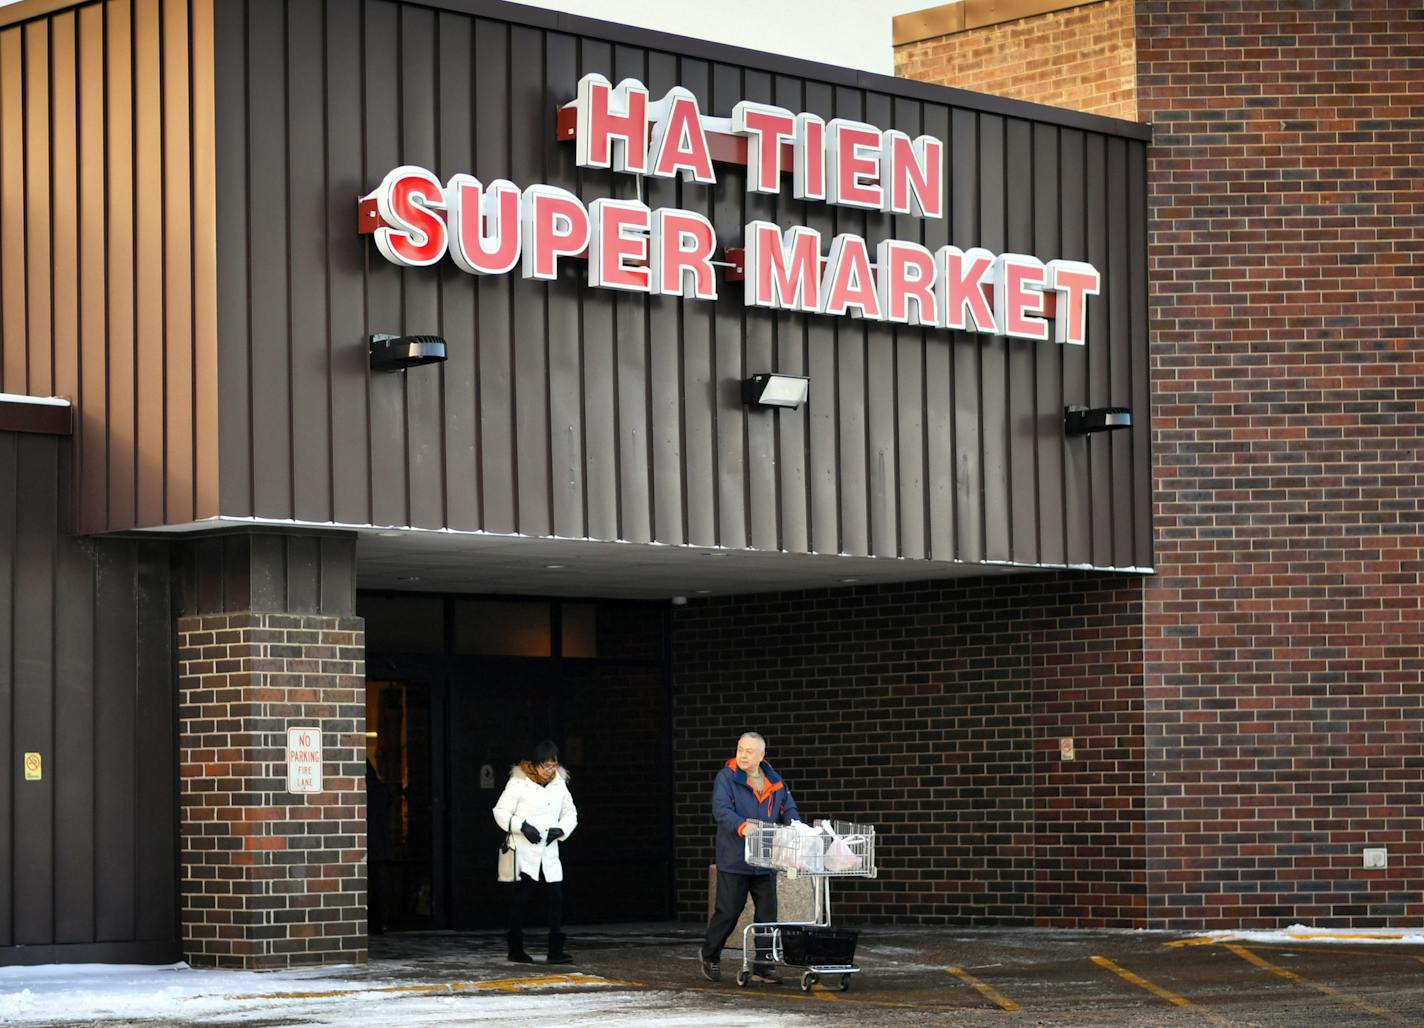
649 975
990 976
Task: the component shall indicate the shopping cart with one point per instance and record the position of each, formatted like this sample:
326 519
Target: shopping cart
830 849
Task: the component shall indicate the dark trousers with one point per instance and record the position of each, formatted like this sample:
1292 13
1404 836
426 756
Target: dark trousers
732 889
519 903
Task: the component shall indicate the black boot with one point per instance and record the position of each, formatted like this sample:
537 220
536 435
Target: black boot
516 949
556 949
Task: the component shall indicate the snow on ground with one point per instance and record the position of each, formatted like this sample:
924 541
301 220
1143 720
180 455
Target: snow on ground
1307 933
60 993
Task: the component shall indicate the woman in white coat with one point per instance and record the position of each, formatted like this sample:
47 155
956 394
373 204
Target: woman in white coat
537 811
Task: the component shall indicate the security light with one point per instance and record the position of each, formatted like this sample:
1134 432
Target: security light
1083 420
396 353
771 390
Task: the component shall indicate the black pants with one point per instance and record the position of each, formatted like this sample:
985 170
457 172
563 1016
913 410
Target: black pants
519 903
732 889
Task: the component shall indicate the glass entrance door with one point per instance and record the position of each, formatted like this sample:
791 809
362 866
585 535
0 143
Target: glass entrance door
399 805
493 713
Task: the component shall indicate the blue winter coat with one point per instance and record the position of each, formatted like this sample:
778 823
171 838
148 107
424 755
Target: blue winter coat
734 803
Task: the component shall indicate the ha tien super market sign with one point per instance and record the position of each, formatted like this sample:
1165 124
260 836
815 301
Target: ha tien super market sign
490 229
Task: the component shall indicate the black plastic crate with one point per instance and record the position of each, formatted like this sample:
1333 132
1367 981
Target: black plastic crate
805 945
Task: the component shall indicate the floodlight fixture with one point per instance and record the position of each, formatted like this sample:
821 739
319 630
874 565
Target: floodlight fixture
397 353
775 390
1085 420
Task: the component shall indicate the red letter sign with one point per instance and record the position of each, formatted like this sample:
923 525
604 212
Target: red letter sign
849 282
484 224
618 233
612 129
1074 281
960 287
1018 296
765 127
853 156
785 274
808 176
555 225
682 246
413 235
679 144
905 276
916 175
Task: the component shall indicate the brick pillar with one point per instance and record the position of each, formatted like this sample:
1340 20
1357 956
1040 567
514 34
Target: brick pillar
271 878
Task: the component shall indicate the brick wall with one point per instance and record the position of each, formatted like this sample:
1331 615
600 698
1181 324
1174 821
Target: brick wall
271 878
1283 639
1082 58
1284 636
934 711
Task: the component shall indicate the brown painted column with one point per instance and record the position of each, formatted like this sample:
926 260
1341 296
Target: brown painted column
268 641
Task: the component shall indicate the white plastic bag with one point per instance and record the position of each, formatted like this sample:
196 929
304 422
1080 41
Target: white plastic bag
840 856
840 853
805 848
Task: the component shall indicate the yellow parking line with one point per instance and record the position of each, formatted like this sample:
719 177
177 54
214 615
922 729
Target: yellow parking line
797 996
1248 956
1208 941
1155 989
496 985
1337 936
987 991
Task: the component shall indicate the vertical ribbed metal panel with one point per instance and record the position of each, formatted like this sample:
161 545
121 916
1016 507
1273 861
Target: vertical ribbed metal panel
586 413
108 246
87 869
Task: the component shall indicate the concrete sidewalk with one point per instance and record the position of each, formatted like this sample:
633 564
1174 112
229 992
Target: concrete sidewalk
986 976
648 975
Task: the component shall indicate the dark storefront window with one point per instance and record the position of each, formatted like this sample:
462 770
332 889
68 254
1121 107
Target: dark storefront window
502 628
413 624
458 688
580 630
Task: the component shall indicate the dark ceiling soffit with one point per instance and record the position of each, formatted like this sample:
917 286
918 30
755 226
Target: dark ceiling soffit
39 418
630 35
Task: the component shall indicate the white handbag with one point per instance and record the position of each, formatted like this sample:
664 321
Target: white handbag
506 860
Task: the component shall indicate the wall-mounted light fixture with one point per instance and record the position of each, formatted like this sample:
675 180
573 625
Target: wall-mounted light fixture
1083 420
773 390
396 353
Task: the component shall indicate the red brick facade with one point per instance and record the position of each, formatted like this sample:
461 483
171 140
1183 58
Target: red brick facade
934 711
271 878
1283 630
1081 57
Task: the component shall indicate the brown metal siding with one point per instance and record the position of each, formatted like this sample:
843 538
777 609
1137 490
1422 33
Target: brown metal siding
87 859
584 413
107 293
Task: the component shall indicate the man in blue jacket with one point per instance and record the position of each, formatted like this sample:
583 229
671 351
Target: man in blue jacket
746 789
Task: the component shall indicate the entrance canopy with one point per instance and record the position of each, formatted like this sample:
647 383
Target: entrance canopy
448 562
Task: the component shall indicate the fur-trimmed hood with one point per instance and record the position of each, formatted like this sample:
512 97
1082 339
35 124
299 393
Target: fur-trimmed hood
518 772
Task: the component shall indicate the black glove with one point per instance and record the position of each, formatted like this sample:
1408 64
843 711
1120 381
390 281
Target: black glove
555 834
531 833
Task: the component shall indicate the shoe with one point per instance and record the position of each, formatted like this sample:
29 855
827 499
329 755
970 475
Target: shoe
557 954
711 970
766 973
516 949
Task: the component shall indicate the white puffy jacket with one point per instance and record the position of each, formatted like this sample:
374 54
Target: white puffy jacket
544 807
